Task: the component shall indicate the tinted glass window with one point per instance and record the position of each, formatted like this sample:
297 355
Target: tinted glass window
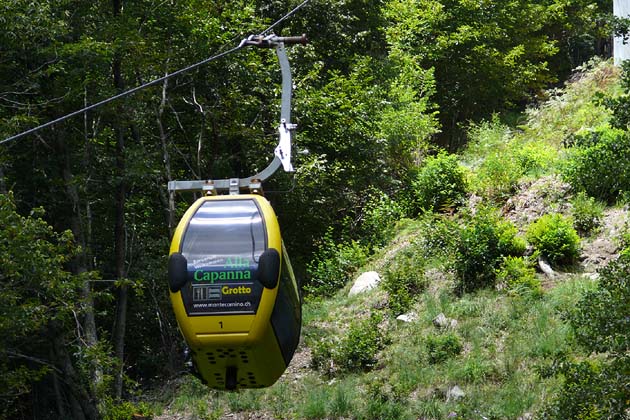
222 246
224 233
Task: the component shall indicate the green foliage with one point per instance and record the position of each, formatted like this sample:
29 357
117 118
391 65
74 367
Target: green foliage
125 410
360 347
40 300
591 391
601 320
355 351
620 105
449 36
568 111
378 217
500 158
440 184
517 275
555 238
382 402
481 244
597 388
404 280
407 121
333 265
599 164
587 213
442 347
438 236
496 175
353 146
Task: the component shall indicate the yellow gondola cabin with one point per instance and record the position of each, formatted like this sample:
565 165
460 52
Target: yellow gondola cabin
233 291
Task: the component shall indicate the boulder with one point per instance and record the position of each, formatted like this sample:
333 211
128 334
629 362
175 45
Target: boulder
546 268
408 317
443 322
455 393
365 282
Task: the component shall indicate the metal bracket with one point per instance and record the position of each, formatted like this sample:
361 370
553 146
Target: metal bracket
282 152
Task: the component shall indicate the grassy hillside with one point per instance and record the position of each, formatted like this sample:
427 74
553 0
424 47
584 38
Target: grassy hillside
482 352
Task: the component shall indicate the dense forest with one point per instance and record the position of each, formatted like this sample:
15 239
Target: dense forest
383 90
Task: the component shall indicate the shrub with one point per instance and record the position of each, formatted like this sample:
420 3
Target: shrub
333 265
587 213
124 410
597 388
356 351
599 164
383 402
555 238
404 281
482 243
359 348
442 347
501 158
440 183
498 176
601 320
438 236
517 275
379 215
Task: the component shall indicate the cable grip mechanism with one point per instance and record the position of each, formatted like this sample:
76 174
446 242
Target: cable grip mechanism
282 152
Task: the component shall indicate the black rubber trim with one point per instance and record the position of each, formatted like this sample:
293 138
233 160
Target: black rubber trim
177 271
269 268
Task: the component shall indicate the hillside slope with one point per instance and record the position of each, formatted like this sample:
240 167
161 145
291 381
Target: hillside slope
479 355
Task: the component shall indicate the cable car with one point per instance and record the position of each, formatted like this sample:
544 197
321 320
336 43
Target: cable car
232 288
233 291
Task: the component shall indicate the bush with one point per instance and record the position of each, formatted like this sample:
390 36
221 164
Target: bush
404 281
482 243
438 236
500 159
124 410
359 348
598 388
383 402
354 352
333 265
516 275
555 238
601 320
587 213
442 347
440 183
379 215
599 164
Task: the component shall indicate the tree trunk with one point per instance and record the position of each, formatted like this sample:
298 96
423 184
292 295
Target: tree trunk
82 404
120 322
166 159
80 262
3 185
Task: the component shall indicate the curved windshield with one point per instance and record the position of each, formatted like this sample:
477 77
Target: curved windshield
222 245
225 234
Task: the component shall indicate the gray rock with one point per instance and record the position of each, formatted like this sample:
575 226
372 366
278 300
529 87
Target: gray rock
546 268
441 321
455 393
365 282
408 317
